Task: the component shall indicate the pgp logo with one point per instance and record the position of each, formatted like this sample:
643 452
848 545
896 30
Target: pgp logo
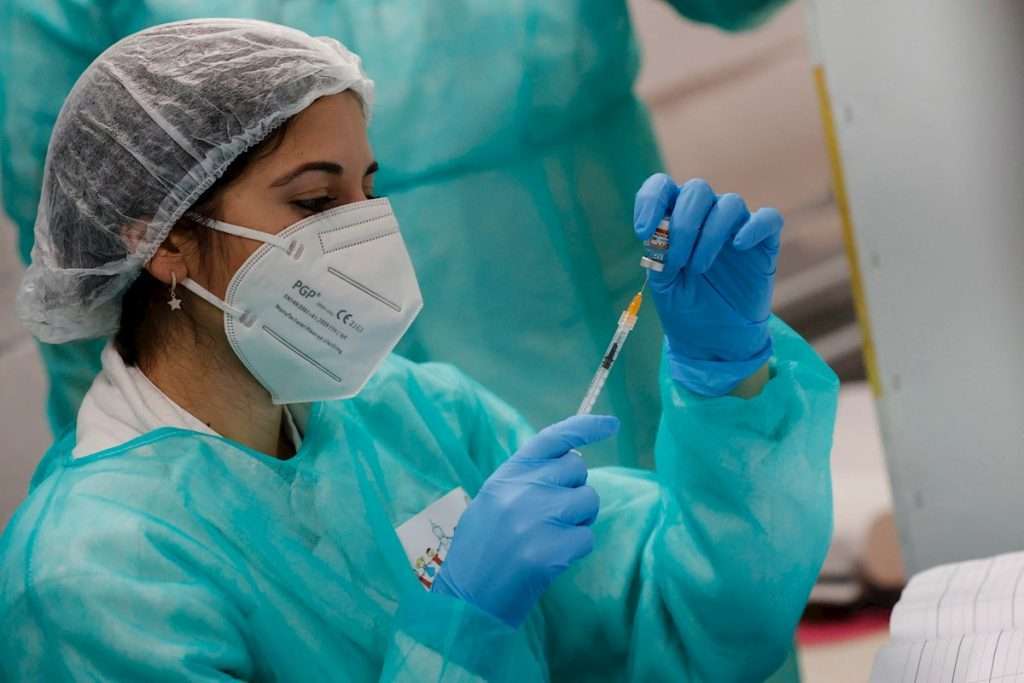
305 291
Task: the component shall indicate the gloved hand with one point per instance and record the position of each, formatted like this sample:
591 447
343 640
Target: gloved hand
527 524
714 295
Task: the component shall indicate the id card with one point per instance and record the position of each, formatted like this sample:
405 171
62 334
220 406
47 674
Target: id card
427 536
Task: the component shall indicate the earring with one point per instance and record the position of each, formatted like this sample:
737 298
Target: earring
175 302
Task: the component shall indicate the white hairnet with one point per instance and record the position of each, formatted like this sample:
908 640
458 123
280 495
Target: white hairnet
150 126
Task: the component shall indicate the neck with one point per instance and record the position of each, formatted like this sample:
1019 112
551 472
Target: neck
203 375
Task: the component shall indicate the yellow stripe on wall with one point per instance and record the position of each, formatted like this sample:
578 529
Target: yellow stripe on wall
852 256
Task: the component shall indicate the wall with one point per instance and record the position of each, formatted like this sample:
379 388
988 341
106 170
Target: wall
929 126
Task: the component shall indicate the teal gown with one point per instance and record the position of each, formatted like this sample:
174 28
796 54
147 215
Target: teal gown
511 146
183 556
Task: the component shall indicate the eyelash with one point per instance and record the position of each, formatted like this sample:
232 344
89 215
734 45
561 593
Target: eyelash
315 205
318 204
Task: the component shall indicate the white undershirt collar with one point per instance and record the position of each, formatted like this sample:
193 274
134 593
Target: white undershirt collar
123 404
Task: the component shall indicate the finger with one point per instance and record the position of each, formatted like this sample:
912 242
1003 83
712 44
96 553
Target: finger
654 201
574 432
764 228
692 206
577 543
726 217
568 471
579 506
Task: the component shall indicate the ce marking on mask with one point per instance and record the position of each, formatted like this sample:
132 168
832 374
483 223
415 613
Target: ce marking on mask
343 316
348 320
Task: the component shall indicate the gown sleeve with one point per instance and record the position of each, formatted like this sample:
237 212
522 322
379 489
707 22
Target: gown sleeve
702 568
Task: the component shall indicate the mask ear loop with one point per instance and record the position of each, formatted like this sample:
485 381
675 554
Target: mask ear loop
204 294
290 247
293 248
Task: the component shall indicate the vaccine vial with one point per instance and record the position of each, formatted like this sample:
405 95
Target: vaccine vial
656 248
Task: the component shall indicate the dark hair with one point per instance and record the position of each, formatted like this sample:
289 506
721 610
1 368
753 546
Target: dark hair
145 316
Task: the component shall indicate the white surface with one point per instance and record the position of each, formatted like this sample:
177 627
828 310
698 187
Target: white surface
988 658
978 596
958 623
929 101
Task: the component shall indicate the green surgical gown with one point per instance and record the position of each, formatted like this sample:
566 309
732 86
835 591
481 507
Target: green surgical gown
183 556
511 146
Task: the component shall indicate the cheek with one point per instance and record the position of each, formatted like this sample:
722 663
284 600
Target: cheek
231 255
240 252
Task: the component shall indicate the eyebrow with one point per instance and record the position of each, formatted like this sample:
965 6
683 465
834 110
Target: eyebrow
322 166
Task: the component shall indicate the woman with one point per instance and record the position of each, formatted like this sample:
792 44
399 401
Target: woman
219 514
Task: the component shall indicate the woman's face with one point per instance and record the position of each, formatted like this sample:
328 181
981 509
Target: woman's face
323 161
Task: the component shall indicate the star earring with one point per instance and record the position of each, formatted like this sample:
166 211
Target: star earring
175 302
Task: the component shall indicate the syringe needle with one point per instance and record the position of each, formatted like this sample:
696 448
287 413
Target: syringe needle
626 323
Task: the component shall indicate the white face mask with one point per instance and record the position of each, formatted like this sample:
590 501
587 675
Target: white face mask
315 310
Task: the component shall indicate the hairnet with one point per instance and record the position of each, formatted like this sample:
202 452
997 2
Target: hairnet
150 126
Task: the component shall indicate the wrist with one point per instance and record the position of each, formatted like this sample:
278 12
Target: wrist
752 386
718 377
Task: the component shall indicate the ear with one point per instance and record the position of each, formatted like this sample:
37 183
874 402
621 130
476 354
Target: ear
168 260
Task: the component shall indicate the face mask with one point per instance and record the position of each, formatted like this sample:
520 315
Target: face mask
315 310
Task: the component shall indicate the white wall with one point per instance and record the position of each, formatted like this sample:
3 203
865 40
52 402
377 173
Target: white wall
930 103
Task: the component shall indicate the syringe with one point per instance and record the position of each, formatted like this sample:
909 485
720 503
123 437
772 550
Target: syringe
626 322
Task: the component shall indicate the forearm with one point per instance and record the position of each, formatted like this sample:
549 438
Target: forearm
752 386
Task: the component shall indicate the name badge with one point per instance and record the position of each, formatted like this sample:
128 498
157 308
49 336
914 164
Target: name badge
427 536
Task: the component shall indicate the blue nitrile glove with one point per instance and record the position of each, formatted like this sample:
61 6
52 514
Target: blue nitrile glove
528 523
714 295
